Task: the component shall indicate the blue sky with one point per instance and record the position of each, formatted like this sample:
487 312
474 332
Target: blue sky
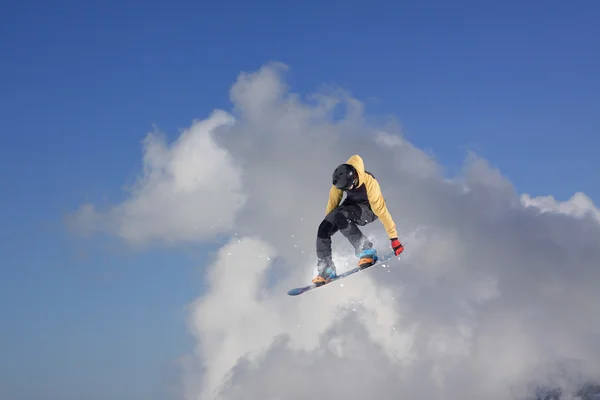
83 83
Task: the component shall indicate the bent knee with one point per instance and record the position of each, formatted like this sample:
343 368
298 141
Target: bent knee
340 220
325 229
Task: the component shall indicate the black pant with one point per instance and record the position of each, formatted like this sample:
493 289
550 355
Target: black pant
344 218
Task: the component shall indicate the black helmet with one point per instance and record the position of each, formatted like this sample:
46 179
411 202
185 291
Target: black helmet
345 177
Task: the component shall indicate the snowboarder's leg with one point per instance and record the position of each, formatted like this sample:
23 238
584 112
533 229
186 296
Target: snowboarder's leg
325 264
345 218
359 215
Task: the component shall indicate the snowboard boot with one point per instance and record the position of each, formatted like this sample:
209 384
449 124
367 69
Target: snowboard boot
367 257
327 271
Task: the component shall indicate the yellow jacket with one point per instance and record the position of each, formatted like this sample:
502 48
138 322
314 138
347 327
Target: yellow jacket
375 197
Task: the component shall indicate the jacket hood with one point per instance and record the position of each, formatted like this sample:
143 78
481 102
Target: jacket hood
357 162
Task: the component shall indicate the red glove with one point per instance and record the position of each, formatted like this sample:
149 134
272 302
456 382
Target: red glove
397 246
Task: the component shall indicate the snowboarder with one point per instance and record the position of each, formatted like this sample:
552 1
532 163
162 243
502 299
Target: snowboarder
364 204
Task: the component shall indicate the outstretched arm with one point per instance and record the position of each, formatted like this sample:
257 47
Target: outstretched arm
379 206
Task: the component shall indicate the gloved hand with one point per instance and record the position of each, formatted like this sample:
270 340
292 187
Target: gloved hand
397 246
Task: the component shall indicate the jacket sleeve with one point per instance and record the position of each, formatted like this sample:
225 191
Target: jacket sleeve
335 196
379 206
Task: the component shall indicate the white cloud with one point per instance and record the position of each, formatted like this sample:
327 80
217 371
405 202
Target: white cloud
190 190
579 205
491 298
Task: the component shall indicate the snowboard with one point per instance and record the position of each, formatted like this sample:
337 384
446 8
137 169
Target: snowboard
299 290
